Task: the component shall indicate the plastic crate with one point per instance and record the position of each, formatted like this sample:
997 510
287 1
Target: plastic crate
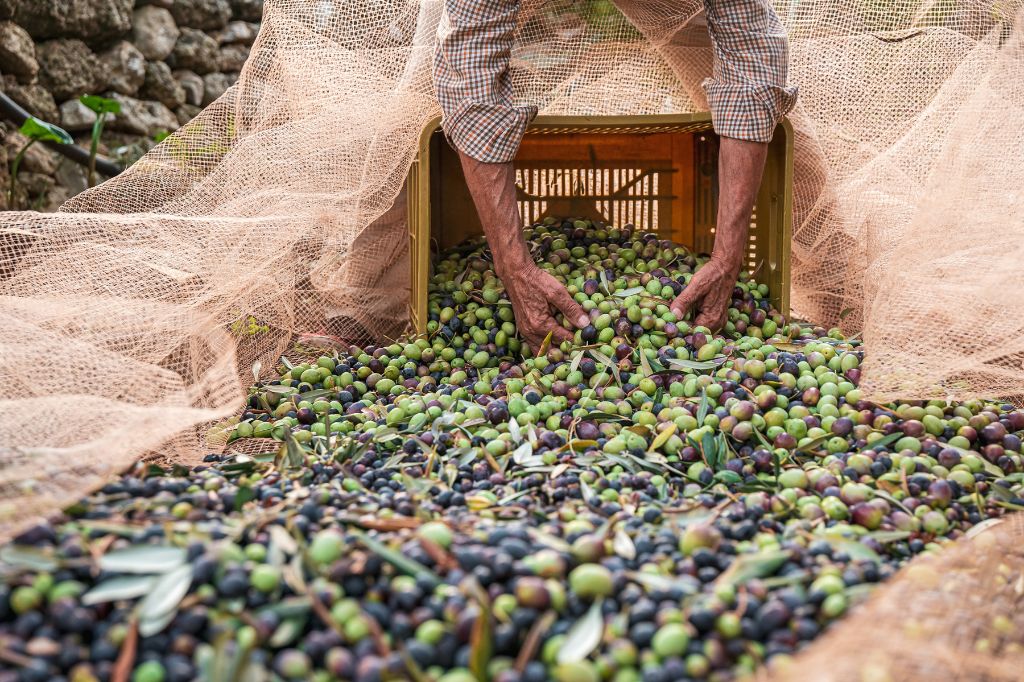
657 172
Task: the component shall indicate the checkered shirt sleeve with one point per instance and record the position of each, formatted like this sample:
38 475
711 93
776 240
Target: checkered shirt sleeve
747 93
473 82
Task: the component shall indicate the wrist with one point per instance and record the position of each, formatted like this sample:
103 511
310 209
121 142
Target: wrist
512 263
728 260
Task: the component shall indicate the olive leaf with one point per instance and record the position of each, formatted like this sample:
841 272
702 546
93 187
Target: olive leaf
857 551
148 628
522 453
550 541
645 364
116 589
545 344
586 491
25 556
143 559
481 638
287 632
245 494
892 500
709 446
885 441
623 545
694 365
515 431
886 536
577 358
607 362
812 445
398 560
662 437
661 583
584 636
294 456
159 607
313 395
751 566
702 409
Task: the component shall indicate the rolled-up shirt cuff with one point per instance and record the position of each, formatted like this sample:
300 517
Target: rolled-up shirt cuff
490 133
747 111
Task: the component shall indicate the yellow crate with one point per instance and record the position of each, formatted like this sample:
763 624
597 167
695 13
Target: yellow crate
657 172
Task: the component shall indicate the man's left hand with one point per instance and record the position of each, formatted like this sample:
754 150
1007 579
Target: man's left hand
709 292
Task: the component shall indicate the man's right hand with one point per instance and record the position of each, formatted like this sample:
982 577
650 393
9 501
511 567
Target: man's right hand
534 293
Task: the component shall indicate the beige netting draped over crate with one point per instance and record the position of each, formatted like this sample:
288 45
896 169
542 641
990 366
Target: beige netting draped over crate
136 313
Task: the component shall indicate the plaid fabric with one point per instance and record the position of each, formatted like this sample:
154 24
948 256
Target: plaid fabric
747 93
472 79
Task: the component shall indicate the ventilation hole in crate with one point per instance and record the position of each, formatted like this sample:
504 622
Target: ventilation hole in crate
616 195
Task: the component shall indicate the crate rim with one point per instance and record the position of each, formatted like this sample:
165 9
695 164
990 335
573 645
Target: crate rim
630 120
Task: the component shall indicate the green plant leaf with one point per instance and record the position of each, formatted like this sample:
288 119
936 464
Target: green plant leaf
116 589
885 440
398 560
287 632
656 582
245 494
693 365
858 551
645 364
154 626
163 600
662 438
42 131
25 556
101 105
751 566
702 409
623 545
522 453
709 446
143 559
481 638
584 636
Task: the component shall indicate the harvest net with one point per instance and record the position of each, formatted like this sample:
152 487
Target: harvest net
138 313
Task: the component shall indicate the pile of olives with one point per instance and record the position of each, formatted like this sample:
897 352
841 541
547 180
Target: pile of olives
651 502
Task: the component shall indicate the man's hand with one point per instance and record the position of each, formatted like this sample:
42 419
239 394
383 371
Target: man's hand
740 165
709 292
534 293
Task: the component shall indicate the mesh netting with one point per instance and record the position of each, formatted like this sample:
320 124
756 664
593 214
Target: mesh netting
954 616
137 313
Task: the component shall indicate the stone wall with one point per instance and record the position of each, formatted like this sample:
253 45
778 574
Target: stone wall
163 60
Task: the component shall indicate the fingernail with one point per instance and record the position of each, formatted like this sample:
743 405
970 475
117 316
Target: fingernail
582 321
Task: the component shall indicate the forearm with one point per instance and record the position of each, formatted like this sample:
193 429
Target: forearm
740 166
492 186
